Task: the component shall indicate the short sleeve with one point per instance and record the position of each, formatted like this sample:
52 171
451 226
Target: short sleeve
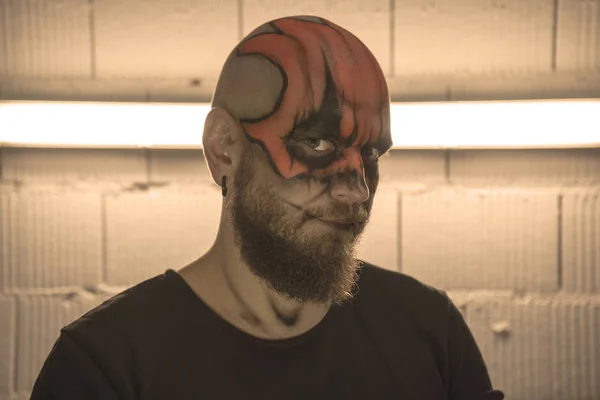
469 377
70 373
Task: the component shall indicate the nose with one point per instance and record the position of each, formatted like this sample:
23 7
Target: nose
349 188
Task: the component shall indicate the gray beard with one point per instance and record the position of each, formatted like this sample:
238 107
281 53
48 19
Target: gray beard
316 268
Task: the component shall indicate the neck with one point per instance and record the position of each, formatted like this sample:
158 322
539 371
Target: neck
226 284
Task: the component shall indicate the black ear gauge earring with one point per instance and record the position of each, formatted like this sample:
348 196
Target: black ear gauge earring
224 186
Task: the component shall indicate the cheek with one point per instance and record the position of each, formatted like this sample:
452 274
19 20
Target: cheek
303 190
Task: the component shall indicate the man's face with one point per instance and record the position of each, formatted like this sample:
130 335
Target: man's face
283 237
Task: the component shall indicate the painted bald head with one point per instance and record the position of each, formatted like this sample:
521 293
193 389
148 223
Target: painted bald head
300 79
313 102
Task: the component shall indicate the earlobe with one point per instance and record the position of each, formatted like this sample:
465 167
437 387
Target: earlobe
224 186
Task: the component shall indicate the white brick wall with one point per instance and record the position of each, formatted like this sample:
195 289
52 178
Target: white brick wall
513 235
50 239
539 347
474 239
150 39
472 36
172 227
58 47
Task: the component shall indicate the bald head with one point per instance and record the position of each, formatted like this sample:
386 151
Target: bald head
300 78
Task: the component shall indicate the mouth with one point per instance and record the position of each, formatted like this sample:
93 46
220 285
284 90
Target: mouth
344 225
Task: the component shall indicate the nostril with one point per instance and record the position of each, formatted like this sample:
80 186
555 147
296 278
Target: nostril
355 193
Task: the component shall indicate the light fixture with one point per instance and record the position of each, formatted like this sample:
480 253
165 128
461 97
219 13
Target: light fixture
507 124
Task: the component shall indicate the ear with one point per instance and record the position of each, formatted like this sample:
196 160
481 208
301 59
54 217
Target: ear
220 142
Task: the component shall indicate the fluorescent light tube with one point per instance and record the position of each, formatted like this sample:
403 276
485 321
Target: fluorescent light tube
510 124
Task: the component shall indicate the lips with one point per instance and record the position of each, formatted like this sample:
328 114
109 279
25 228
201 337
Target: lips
345 225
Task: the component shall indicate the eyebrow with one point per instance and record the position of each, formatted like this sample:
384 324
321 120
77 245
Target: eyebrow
319 128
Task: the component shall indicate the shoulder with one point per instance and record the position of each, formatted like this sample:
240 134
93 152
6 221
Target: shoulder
402 295
138 313
399 286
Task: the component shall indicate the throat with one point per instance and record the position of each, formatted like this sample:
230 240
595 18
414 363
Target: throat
286 317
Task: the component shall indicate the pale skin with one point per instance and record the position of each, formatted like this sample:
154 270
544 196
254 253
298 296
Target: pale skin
220 277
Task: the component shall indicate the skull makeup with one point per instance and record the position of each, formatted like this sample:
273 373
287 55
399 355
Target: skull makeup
332 114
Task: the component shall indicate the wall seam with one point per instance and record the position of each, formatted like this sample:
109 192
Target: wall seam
92 32
559 247
6 41
15 363
554 48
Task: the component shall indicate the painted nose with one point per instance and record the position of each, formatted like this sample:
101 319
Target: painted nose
349 188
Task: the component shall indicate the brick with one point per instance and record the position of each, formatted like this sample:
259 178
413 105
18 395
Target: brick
179 166
181 38
50 239
45 38
413 167
577 41
68 165
472 36
161 90
467 239
526 167
7 345
581 241
379 243
39 323
369 21
540 348
150 232
524 86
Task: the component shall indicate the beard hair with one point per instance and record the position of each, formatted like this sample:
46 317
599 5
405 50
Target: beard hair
302 266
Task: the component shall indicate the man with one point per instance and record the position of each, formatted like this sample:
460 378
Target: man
279 308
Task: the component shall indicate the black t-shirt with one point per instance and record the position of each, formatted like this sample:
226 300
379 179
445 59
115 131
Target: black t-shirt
397 339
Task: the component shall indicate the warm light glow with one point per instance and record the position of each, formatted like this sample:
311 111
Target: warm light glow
568 123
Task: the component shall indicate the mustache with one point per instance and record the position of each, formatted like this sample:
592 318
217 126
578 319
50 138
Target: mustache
340 212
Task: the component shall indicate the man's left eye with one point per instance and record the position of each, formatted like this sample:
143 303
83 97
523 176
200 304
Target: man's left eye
319 144
370 153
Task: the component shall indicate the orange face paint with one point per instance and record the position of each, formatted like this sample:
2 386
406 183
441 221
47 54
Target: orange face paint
333 90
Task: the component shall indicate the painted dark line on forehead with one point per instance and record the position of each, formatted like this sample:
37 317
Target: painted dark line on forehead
263 147
329 114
